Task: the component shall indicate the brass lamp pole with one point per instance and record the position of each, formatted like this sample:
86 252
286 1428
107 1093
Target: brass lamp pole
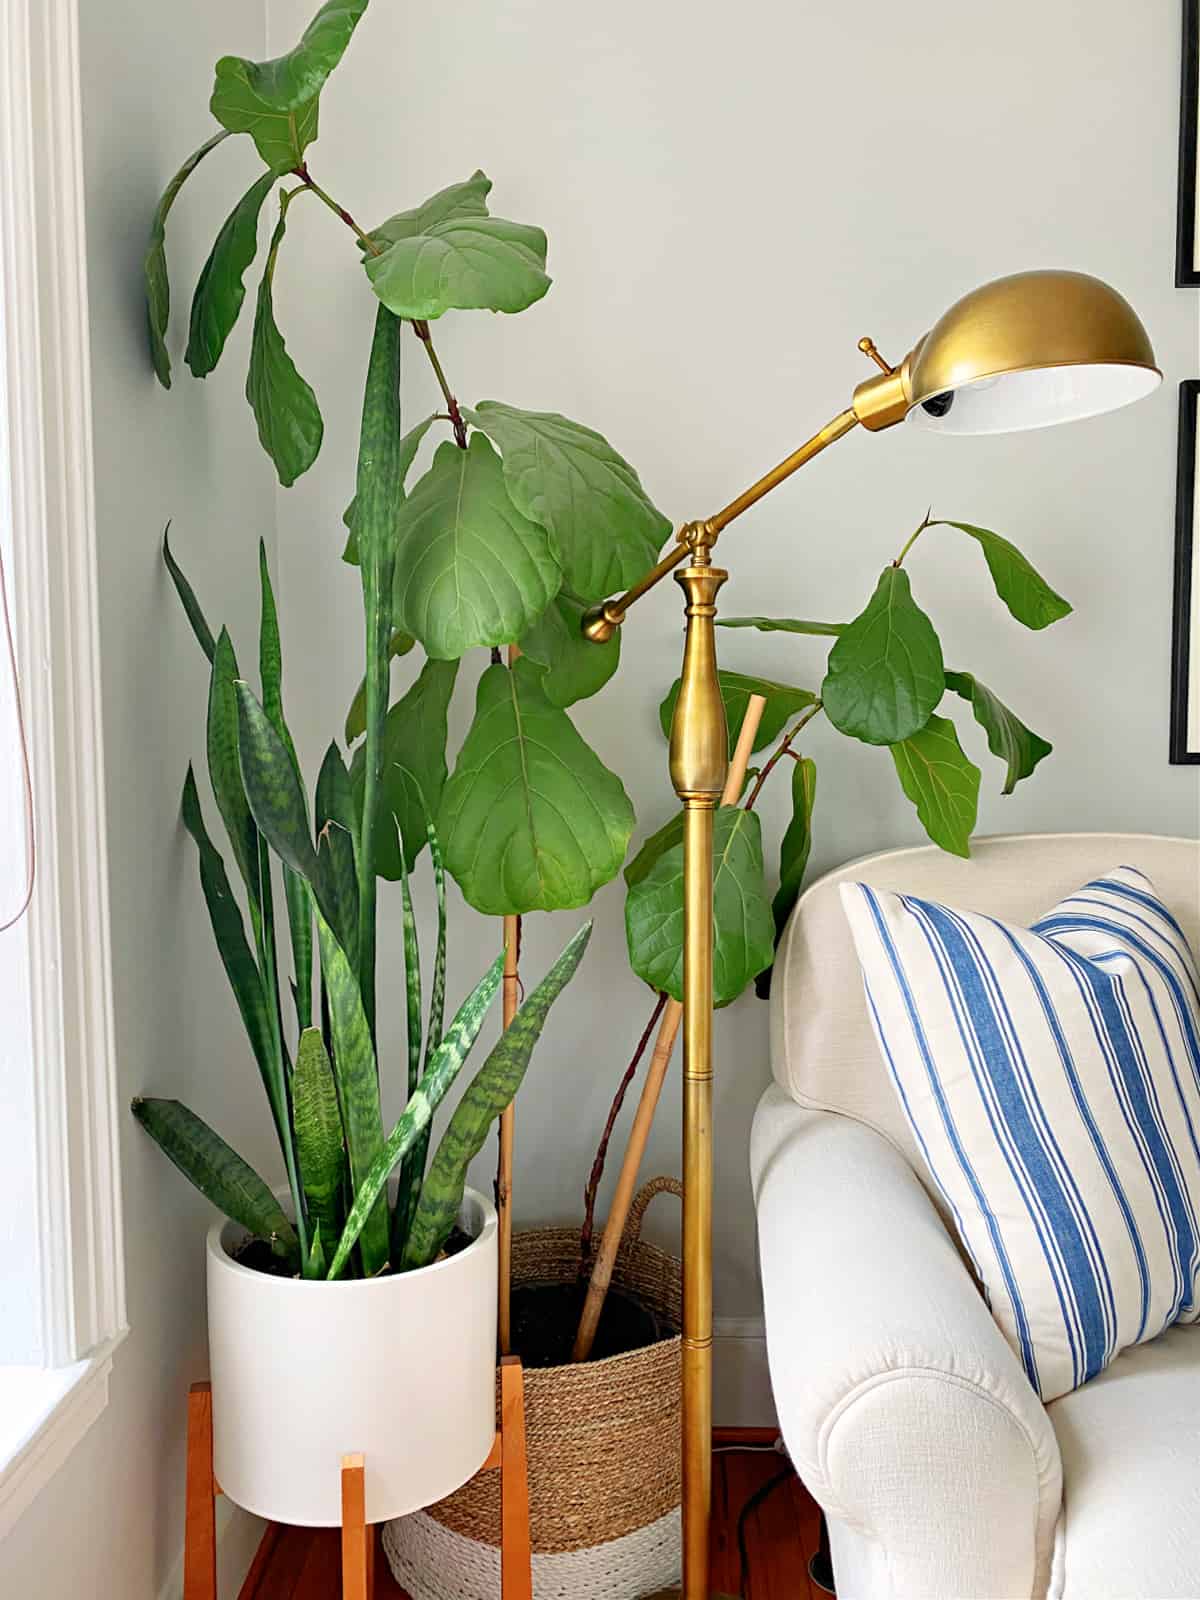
1021 352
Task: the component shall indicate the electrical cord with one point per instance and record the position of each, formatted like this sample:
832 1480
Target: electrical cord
747 1511
27 781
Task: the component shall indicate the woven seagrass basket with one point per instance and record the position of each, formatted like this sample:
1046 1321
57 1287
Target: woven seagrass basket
603 1443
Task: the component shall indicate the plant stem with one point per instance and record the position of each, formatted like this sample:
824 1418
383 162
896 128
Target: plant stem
597 1172
925 522
421 329
364 238
783 748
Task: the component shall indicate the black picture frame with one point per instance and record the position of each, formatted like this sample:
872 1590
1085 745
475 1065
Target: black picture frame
1187 244
1185 630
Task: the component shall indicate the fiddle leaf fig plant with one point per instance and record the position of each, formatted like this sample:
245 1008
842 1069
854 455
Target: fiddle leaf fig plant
885 684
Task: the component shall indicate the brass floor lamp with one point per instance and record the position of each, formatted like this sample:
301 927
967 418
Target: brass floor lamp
1023 352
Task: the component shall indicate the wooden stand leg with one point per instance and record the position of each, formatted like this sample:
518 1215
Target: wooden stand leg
516 1570
200 1527
358 1535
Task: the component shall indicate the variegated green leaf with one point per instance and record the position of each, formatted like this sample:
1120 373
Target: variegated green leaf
444 1067
320 1147
489 1092
337 823
219 1173
225 773
187 597
357 1078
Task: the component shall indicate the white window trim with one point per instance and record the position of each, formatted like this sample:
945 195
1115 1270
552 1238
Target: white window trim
46 370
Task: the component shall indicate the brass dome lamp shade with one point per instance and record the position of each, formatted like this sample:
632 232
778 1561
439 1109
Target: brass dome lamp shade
1021 352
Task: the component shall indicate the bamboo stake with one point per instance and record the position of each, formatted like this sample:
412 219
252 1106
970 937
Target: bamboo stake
504 1171
639 1133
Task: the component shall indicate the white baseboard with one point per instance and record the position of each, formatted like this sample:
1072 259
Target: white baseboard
741 1383
238 1537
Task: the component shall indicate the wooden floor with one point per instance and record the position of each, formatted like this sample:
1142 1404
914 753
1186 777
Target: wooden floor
304 1564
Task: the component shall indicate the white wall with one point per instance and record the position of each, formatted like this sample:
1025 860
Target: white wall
733 197
111 1523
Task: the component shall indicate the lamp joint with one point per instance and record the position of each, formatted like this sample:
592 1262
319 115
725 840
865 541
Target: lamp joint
699 537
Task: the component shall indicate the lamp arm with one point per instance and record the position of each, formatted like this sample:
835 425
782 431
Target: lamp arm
602 621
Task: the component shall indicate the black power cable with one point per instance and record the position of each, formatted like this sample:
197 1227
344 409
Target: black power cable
747 1511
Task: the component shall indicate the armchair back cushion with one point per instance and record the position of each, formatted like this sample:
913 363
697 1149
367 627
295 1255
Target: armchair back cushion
823 1049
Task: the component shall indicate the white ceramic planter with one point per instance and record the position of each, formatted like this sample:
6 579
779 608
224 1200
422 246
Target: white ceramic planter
401 1368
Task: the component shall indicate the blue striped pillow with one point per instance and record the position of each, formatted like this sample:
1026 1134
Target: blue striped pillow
1051 1077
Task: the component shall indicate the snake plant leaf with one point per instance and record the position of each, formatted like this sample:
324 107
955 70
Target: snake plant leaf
413 772
490 1091
743 929
784 700
290 428
412 982
315 1266
220 289
1017 746
219 1173
410 443
449 254
357 1078
320 1147
444 1067
399 644
158 283
413 1173
453 203
531 819
575 667
187 598
236 956
885 674
797 842
296 890
1018 583
784 625
273 788
470 569
941 782
275 102
337 823
569 478
225 773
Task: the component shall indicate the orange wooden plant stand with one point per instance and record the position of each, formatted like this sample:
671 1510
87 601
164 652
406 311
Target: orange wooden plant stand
359 1537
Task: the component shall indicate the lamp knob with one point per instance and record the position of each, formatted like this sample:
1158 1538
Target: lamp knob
867 345
601 622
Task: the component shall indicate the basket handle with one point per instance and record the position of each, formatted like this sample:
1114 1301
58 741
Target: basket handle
637 1211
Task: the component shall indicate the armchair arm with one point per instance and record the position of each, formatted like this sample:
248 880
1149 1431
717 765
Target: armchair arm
902 1406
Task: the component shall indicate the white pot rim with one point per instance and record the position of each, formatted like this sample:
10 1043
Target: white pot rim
218 1249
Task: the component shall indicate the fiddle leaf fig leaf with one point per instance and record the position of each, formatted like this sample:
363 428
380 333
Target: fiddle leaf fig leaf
459 200
575 667
784 700
470 569
743 931
571 480
412 767
797 842
784 625
885 674
1018 583
666 838
290 428
158 283
220 289
941 782
449 254
1017 746
275 101
531 819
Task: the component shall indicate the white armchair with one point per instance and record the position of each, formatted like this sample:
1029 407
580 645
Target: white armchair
905 1411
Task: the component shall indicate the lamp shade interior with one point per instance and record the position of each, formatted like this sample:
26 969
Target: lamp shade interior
1027 351
1011 401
